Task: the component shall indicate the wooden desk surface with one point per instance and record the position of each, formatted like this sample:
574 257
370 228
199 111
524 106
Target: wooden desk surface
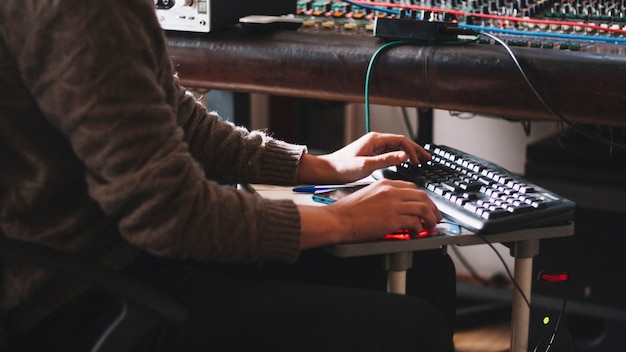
587 86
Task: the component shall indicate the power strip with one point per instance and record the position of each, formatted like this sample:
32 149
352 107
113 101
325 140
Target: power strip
415 30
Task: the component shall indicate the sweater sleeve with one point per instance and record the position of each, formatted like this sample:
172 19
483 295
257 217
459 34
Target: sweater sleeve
101 75
235 154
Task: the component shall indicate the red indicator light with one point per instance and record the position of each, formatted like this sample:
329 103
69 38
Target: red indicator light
404 234
397 236
554 277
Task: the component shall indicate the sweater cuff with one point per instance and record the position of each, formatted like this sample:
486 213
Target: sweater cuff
280 228
280 162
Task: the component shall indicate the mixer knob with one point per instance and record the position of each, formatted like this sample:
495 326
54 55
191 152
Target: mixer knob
164 4
611 11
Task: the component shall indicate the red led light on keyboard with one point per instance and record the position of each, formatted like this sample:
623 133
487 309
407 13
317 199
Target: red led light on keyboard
404 234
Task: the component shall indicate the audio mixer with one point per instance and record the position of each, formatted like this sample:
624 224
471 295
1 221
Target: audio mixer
573 25
572 53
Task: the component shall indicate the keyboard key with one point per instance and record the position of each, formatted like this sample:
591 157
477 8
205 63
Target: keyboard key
526 189
495 214
451 187
471 186
472 207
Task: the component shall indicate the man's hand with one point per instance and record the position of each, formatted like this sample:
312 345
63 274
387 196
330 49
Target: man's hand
382 207
360 158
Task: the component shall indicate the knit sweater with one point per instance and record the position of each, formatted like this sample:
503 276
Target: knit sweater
104 154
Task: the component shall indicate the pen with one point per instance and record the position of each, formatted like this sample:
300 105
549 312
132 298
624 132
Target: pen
313 189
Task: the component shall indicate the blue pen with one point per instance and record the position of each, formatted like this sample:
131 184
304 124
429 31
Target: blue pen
313 189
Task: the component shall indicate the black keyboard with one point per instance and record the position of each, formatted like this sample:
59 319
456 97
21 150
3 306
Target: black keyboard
482 196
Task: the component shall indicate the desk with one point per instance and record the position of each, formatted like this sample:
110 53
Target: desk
524 245
586 86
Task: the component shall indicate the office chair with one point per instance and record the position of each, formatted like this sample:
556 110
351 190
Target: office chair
143 308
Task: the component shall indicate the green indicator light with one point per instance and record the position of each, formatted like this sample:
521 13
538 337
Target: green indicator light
546 320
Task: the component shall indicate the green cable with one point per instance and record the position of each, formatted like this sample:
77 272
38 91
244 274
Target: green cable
367 78
375 56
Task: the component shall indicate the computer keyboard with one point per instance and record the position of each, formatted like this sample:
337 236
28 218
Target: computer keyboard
482 196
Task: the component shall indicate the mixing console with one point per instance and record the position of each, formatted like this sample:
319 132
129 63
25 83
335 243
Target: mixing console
574 25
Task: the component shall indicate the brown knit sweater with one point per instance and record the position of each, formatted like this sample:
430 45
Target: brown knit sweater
103 154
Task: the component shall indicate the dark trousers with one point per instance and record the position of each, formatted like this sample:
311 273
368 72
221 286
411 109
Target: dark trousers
320 303
432 276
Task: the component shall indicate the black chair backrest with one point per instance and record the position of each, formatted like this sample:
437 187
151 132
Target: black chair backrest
143 307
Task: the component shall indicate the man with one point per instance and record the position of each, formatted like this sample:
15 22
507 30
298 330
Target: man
103 154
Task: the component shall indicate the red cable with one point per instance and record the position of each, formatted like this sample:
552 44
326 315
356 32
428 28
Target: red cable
497 17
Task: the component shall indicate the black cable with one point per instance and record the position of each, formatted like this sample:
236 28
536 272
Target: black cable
511 277
111 328
556 329
534 319
581 131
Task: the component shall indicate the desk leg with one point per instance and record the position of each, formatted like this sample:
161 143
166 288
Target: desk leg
396 282
523 252
396 265
520 316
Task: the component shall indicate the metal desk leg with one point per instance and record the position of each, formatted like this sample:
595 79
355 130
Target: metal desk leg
396 265
523 251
